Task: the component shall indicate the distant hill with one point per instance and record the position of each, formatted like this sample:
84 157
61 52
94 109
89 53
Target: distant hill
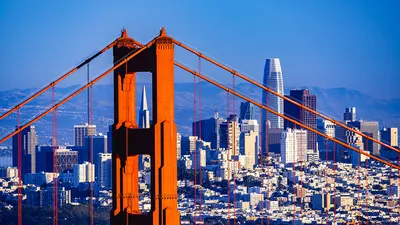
329 101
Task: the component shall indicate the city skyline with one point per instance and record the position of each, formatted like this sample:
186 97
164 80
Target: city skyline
320 49
192 151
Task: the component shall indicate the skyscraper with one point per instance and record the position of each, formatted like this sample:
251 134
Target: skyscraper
230 135
350 114
273 80
103 170
390 137
208 130
370 128
246 111
309 119
144 113
28 142
83 173
80 131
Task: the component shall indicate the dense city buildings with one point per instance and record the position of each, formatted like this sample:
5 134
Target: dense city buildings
272 79
370 128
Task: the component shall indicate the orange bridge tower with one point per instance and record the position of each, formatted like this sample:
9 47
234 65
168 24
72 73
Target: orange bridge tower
158 141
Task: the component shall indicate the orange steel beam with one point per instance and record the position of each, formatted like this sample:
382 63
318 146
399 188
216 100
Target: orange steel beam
282 96
52 84
285 117
121 62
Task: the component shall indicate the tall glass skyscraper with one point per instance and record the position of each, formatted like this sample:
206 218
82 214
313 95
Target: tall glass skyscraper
273 80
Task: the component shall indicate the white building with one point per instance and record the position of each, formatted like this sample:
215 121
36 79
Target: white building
294 146
83 173
104 168
80 131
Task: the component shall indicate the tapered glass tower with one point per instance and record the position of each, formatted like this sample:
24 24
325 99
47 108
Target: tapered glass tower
273 80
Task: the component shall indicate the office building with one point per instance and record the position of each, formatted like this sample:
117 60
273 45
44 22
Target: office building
94 144
25 142
324 144
199 158
273 80
178 145
65 159
208 130
350 115
144 113
80 131
230 134
294 146
370 128
251 125
307 118
246 111
248 147
103 170
390 136
83 173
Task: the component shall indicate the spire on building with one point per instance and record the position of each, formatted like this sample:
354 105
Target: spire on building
143 105
144 114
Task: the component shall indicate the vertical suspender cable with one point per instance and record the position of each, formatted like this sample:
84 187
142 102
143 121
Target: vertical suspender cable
19 165
229 158
90 150
326 179
200 135
195 150
334 182
236 153
55 162
366 184
359 187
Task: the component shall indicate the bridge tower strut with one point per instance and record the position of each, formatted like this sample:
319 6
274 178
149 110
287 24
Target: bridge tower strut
158 141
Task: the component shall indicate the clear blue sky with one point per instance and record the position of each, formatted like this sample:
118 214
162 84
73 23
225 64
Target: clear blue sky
353 44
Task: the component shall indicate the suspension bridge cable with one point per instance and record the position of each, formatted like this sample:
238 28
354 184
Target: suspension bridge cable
281 95
58 80
116 65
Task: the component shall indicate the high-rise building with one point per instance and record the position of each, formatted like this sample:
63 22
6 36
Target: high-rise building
350 114
109 139
328 128
103 170
199 159
344 154
99 144
80 131
230 134
144 113
273 80
307 118
370 128
248 147
28 141
65 159
390 137
246 111
294 146
83 173
208 130
178 145
188 145
251 125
